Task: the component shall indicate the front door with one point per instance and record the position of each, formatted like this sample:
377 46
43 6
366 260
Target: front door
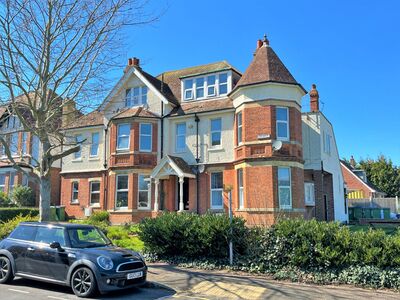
185 194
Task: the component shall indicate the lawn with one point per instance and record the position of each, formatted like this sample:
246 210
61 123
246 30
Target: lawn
388 229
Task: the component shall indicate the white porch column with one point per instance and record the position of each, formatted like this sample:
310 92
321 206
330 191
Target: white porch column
156 183
181 205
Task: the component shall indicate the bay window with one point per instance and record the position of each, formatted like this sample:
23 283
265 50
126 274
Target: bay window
239 127
143 192
121 198
282 123
216 190
145 137
241 188
284 188
123 136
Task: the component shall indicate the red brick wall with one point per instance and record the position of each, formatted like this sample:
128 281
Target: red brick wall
354 183
76 210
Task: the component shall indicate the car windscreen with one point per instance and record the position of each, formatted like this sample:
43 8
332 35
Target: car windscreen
87 238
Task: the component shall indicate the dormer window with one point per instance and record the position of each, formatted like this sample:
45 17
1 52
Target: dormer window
203 87
136 96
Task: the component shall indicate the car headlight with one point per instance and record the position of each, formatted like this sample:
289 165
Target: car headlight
105 262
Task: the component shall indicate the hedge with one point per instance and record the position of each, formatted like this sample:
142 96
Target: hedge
192 235
8 213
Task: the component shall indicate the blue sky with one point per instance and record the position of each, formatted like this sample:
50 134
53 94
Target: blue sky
350 49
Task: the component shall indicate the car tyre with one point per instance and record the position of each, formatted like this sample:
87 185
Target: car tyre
83 283
6 272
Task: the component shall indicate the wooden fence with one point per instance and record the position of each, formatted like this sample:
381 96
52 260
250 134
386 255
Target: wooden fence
392 203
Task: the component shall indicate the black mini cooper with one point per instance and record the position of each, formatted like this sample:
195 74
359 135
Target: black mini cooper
79 256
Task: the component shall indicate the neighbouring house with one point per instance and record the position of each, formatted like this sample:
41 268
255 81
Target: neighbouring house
25 149
357 184
325 197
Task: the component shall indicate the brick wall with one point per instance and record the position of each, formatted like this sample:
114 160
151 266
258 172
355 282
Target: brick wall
354 183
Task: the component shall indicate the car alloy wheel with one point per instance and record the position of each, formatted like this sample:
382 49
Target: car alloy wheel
6 274
83 282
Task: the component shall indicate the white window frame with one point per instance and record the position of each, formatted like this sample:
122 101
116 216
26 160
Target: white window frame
177 149
12 148
122 191
285 187
148 135
78 141
24 143
147 192
92 145
141 97
73 191
239 127
216 190
216 131
2 182
309 194
206 95
94 192
240 183
124 136
283 138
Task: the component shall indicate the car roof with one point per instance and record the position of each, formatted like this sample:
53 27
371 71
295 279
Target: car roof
57 224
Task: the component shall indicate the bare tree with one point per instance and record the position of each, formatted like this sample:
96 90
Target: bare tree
53 58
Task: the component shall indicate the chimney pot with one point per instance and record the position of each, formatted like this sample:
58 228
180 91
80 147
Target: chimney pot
133 61
314 99
129 61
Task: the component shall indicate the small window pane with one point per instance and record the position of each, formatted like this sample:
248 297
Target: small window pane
284 176
94 147
216 180
188 84
122 182
145 128
282 130
216 199
281 114
216 125
284 197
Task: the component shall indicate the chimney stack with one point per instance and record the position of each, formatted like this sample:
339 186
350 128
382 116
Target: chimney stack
259 44
352 162
314 99
134 62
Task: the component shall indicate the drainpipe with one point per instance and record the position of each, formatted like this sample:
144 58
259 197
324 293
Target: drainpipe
105 165
197 120
161 185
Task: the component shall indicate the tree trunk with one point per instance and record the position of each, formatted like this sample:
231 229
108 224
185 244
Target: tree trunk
45 195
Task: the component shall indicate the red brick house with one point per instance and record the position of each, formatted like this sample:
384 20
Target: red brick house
180 140
357 184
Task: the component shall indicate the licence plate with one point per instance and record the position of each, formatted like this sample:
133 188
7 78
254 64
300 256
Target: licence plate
134 275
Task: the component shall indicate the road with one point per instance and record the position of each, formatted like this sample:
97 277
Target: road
199 285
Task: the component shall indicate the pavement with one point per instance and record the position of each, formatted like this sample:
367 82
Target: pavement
171 282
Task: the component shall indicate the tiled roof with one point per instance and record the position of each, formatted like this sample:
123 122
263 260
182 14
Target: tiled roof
134 112
182 164
202 106
91 119
173 78
266 67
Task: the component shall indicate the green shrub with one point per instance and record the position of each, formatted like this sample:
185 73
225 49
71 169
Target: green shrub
23 196
192 235
99 216
8 213
8 226
5 200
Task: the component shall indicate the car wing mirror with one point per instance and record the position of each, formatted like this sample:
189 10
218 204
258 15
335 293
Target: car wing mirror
55 245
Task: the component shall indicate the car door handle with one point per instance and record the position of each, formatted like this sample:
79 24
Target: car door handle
31 249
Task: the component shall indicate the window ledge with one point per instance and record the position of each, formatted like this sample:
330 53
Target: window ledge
120 211
216 149
217 210
94 158
95 205
77 160
310 204
74 203
123 151
143 209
